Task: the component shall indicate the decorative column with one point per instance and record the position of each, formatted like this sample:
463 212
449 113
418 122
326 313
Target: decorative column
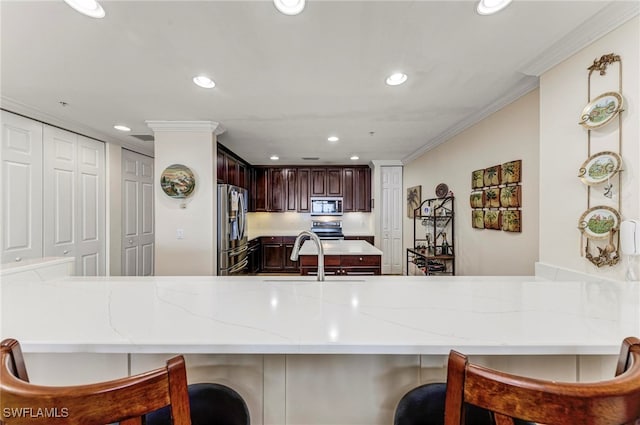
185 228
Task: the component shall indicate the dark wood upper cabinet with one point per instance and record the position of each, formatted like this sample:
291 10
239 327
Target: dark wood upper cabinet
318 183
348 189
276 189
243 175
258 193
279 189
334 182
231 169
362 194
304 178
356 189
326 181
221 168
291 199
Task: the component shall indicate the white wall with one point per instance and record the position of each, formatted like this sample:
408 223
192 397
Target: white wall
196 253
563 147
510 134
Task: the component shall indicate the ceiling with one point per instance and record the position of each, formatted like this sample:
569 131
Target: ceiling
286 83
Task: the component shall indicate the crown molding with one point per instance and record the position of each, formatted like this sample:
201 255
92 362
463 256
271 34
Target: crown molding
186 126
605 21
385 163
13 106
525 85
609 18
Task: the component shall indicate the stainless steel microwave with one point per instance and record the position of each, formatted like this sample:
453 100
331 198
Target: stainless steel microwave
326 206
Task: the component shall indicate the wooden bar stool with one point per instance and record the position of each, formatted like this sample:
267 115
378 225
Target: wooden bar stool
468 402
124 400
507 396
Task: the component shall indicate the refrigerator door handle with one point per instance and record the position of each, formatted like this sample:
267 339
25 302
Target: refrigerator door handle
239 266
239 250
241 215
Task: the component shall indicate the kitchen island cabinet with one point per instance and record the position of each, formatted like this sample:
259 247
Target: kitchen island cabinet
291 345
341 257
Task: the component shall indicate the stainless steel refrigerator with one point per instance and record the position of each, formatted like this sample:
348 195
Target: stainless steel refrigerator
232 230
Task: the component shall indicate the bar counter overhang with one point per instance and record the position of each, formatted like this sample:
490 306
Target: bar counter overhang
343 315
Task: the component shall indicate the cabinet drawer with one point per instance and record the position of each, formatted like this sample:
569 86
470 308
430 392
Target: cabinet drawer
312 260
360 260
271 239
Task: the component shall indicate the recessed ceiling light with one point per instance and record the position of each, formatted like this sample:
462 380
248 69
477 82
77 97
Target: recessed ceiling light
355 158
121 127
488 7
289 7
333 138
274 157
396 79
90 8
204 82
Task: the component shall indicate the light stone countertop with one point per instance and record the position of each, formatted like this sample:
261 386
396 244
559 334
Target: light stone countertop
340 247
298 315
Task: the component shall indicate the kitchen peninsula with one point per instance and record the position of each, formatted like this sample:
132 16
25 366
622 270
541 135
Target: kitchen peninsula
292 346
341 257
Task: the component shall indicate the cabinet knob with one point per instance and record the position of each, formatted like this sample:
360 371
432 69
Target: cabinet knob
18 259
360 258
65 252
130 241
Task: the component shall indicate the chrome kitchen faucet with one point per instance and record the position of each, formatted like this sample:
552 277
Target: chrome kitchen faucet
316 240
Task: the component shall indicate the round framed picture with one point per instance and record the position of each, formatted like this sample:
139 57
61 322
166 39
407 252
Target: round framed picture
601 110
597 222
599 167
177 181
442 190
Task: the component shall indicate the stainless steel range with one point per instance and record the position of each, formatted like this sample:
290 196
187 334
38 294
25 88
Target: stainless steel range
327 229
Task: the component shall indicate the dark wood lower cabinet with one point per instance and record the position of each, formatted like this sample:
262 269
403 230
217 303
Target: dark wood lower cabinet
255 256
342 265
276 253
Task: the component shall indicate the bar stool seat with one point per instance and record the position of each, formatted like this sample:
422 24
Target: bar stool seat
211 404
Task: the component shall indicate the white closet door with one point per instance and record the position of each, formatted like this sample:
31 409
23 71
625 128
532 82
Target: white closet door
91 208
74 200
21 163
137 215
392 202
60 153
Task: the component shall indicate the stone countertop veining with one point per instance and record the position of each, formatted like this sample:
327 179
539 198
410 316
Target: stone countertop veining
340 247
299 315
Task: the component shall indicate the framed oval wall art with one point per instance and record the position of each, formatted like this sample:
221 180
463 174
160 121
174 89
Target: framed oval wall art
597 222
601 110
177 181
599 167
